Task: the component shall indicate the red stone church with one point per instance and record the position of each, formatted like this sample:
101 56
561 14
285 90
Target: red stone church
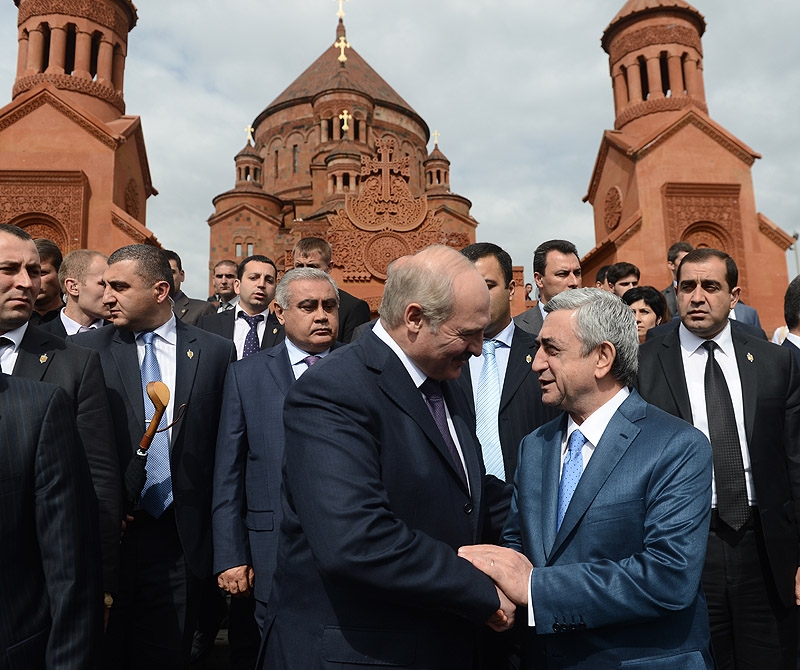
667 171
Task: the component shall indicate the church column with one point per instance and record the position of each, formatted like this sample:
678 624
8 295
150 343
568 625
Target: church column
701 87
83 55
654 77
323 129
105 64
620 90
22 54
676 83
690 71
634 82
119 69
362 130
58 50
35 51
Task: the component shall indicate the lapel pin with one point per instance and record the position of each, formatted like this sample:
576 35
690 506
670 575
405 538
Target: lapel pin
749 357
43 358
274 330
528 359
190 354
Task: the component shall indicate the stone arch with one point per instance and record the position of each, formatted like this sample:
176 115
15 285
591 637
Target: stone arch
709 235
37 224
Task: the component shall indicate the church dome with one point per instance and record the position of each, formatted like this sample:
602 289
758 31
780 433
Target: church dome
328 74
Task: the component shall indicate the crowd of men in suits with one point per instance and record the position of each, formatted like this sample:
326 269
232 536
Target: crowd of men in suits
445 487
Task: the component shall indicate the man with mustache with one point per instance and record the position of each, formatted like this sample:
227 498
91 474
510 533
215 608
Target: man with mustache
247 473
249 324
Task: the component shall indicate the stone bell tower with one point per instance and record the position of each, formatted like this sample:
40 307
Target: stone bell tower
667 171
74 166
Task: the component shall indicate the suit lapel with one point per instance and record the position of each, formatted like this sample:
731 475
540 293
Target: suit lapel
272 331
473 465
277 362
465 382
672 367
748 375
616 439
33 356
123 351
187 358
551 475
519 365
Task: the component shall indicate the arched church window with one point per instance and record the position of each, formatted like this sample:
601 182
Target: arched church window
666 84
295 158
238 250
45 46
275 165
95 54
346 181
356 134
330 129
643 74
69 56
250 248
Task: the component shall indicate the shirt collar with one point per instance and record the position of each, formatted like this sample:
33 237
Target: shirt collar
72 326
296 355
238 310
794 339
167 331
691 343
540 305
506 335
597 422
16 335
417 375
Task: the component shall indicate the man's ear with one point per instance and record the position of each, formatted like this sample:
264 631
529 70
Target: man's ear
236 284
279 313
162 291
606 355
413 317
735 295
71 286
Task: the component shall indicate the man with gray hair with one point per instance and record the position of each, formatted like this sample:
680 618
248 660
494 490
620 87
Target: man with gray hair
383 482
606 536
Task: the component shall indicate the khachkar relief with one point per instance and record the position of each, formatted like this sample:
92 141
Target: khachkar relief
384 221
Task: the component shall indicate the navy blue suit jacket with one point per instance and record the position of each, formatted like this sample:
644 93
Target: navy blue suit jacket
50 577
374 513
246 502
221 324
620 580
202 361
791 346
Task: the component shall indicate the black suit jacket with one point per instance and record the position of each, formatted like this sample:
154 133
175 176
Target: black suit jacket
374 512
672 300
352 312
771 395
791 346
530 320
201 364
521 409
741 326
45 357
222 324
189 310
50 580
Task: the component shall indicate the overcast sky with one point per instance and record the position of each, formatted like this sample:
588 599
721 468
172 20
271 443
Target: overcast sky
518 89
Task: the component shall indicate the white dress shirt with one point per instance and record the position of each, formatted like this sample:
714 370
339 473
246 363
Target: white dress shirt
165 345
73 327
592 428
9 352
419 377
694 366
241 328
297 356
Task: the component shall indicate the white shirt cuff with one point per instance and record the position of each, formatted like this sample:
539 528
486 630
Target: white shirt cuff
531 617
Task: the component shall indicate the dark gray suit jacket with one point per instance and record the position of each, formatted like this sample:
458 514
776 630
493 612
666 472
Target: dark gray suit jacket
770 381
50 576
791 346
45 357
222 324
352 312
189 310
530 320
202 361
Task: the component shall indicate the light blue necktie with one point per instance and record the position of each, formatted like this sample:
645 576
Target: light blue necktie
157 491
487 407
570 473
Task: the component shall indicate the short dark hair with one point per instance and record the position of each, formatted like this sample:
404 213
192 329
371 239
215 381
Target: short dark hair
309 245
173 256
258 258
540 255
475 252
677 248
151 263
601 275
652 297
49 252
226 261
16 231
620 270
701 255
791 304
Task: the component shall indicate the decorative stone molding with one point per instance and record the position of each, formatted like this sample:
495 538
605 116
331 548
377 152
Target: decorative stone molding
53 203
68 82
48 99
136 236
628 114
613 208
626 234
774 234
105 14
645 37
132 198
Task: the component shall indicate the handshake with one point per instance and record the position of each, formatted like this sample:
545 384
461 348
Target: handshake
511 573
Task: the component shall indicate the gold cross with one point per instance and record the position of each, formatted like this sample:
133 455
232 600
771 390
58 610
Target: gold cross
250 130
342 44
340 13
345 116
435 137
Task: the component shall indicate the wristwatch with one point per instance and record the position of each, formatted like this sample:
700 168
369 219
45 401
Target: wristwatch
108 600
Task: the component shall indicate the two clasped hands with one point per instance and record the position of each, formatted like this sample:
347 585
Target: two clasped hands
511 573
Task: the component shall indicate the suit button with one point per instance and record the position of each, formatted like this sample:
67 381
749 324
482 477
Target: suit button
573 626
555 627
564 628
468 508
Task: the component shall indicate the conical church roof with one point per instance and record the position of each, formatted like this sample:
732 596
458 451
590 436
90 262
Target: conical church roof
327 73
634 7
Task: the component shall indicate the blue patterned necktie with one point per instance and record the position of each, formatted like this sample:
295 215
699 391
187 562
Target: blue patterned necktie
251 343
487 407
570 473
157 491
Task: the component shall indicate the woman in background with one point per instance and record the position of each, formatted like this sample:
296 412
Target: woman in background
649 307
